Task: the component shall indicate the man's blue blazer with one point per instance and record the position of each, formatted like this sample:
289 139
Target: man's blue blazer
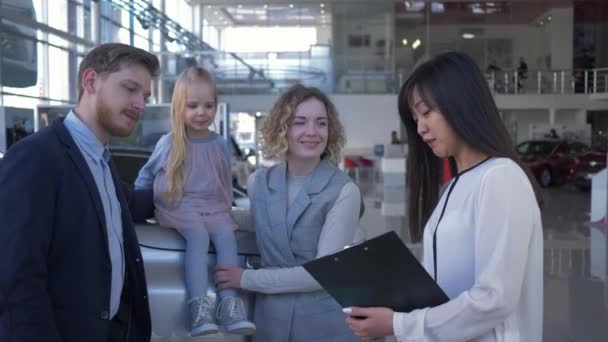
55 270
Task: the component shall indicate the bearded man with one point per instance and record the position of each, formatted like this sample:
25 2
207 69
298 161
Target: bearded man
70 264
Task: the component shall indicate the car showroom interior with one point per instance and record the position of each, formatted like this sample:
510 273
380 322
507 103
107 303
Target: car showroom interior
545 63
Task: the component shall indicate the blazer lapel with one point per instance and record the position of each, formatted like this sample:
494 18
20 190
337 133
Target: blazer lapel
83 168
317 181
300 203
277 184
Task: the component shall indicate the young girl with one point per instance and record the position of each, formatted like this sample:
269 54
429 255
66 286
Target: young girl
483 241
190 174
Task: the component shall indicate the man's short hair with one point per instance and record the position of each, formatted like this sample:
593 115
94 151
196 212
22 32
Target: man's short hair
109 58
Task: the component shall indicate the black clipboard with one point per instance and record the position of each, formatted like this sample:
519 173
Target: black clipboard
380 272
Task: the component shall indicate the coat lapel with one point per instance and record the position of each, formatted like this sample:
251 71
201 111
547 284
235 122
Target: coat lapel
300 203
277 184
83 168
317 181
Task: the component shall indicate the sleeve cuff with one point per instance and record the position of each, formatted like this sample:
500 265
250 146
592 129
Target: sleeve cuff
409 327
246 279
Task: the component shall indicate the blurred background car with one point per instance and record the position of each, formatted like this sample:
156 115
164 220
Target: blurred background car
551 161
588 165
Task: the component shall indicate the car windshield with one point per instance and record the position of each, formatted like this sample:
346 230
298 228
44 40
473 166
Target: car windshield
153 124
537 147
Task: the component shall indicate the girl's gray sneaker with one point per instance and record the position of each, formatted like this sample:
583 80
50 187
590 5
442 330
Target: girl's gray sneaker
201 316
232 318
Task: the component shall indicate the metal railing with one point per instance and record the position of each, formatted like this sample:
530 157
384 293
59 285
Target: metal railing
272 72
575 81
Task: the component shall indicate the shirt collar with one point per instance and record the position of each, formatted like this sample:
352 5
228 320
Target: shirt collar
85 138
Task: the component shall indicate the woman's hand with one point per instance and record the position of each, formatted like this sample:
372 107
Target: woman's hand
228 276
370 323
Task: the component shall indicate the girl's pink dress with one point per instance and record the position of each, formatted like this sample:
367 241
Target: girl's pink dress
207 195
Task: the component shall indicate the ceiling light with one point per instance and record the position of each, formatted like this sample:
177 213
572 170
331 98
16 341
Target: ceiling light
290 5
468 35
240 6
404 41
542 23
416 44
549 18
322 5
266 6
322 11
258 114
208 6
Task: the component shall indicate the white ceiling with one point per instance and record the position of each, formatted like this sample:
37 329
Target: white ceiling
320 12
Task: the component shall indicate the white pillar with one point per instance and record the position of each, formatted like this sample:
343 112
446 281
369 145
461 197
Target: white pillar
562 31
389 28
552 113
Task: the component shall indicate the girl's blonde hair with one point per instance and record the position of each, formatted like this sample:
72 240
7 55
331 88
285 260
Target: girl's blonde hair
276 125
179 139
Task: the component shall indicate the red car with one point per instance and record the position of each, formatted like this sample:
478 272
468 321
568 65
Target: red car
589 164
552 161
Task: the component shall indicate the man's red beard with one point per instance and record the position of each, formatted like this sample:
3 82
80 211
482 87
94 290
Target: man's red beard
106 120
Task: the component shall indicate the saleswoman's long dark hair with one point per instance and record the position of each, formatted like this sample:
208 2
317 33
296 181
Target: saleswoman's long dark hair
452 84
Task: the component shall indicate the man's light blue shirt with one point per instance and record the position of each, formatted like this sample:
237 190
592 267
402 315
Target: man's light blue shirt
97 156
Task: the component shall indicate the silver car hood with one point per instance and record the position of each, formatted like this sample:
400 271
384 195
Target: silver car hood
155 236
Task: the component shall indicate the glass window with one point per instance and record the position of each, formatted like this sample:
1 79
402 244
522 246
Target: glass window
577 148
279 39
59 86
181 12
562 149
141 42
210 34
156 35
124 36
19 56
536 147
58 14
84 22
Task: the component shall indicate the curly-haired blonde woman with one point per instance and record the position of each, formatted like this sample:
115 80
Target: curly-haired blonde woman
302 208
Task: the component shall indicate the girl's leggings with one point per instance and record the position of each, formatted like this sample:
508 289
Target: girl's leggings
197 245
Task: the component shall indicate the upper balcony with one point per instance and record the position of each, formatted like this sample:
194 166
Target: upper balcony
269 73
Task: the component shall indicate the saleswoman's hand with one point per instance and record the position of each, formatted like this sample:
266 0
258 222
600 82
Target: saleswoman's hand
228 276
370 323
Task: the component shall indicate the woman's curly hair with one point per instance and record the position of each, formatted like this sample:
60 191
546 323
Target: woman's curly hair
276 126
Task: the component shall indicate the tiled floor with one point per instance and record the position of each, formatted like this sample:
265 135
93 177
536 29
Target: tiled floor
576 303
